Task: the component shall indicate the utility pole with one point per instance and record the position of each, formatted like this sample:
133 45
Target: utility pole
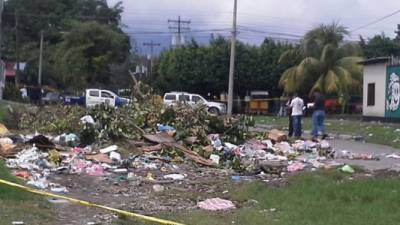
179 29
16 47
40 59
2 64
232 61
151 45
1 25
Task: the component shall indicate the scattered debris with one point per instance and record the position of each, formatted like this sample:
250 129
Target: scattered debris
3 130
7 149
215 158
277 135
174 176
215 204
297 166
101 158
58 201
347 169
6 140
17 223
158 188
393 156
356 156
41 142
109 149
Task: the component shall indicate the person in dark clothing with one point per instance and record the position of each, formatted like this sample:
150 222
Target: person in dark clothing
289 114
318 117
35 95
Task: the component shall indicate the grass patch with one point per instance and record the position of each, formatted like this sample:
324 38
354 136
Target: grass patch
18 205
328 198
374 132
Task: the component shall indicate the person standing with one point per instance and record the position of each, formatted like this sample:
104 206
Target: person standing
24 93
297 105
318 117
289 114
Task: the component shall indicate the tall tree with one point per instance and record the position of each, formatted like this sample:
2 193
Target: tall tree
87 51
327 64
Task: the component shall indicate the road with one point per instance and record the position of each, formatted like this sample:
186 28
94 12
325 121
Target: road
367 148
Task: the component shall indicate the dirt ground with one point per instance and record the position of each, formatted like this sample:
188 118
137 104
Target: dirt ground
137 195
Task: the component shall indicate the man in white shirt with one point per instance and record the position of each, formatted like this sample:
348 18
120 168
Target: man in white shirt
297 105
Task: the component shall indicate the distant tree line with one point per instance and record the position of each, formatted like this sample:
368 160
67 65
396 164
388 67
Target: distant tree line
204 69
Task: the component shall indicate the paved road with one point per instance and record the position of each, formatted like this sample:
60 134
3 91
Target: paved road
367 148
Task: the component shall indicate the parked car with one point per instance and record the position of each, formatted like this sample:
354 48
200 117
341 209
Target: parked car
95 97
332 106
52 98
172 98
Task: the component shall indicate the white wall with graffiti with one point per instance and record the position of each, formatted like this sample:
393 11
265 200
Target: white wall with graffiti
392 107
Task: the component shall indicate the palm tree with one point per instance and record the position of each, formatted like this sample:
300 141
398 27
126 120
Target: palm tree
325 63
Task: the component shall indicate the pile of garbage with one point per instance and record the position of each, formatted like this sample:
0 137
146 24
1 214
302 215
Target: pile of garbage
158 156
80 141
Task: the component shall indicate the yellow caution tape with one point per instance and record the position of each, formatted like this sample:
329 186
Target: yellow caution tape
86 203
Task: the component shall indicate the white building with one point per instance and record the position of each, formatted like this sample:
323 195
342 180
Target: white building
381 89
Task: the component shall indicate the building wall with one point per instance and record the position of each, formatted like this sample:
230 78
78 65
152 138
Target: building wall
375 73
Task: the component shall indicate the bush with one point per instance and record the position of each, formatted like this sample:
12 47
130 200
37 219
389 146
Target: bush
12 93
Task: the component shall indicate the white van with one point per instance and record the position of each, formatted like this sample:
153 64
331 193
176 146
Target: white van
172 98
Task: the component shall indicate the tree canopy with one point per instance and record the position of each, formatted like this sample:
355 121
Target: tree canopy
326 63
380 46
205 69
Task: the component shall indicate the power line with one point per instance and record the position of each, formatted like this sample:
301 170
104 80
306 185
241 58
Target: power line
375 21
168 33
243 28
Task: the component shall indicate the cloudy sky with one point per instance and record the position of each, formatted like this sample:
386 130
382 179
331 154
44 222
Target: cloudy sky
147 20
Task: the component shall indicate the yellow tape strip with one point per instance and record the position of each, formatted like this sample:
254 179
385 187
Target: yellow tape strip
86 203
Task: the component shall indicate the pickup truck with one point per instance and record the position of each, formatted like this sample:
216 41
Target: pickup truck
172 98
95 97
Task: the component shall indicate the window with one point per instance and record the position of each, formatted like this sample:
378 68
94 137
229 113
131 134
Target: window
170 97
371 94
196 99
106 95
94 93
184 98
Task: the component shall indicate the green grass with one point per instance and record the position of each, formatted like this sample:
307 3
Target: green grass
374 132
327 198
17 205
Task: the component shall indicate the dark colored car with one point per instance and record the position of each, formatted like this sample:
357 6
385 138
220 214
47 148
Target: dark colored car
52 98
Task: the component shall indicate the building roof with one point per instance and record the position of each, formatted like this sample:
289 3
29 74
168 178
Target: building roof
375 60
